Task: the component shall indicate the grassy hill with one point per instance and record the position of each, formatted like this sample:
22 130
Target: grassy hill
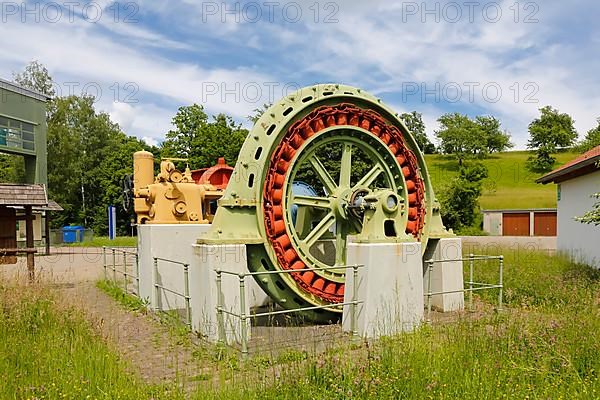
509 185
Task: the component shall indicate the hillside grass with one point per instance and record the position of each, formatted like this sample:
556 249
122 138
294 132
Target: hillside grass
510 184
545 345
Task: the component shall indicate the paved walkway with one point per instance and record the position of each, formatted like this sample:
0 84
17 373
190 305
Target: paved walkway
148 346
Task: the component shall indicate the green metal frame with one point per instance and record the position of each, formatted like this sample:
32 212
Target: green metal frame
240 219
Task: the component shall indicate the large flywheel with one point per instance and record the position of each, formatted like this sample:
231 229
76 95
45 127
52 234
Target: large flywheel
325 166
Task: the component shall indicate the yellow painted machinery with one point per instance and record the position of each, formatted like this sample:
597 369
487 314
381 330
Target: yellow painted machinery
173 197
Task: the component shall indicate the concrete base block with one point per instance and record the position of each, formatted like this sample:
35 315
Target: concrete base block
172 242
205 294
390 285
445 276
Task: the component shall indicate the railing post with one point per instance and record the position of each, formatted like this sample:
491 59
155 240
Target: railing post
354 322
137 273
104 262
125 271
243 316
220 322
471 282
114 263
155 283
500 283
429 271
186 292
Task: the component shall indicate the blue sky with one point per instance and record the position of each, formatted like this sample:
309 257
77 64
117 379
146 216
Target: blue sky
145 59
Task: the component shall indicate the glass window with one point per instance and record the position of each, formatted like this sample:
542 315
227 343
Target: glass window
28 146
17 134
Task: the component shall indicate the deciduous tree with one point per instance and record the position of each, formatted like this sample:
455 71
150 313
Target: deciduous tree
203 141
416 126
550 131
461 136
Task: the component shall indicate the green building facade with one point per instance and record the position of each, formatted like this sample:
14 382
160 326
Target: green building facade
23 128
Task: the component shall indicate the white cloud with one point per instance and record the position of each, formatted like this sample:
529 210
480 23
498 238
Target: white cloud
123 114
371 46
150 141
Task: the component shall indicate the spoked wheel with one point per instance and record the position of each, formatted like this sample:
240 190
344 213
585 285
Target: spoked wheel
323 223
322 167
346 153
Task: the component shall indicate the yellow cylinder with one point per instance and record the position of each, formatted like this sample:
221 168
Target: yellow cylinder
143 169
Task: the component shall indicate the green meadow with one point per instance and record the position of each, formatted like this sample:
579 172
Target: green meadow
509 185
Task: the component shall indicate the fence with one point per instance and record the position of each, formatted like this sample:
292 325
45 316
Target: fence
158 287
473 286
83 235
121 254
243 317
123 275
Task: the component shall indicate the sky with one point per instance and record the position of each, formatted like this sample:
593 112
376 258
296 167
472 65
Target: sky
145 59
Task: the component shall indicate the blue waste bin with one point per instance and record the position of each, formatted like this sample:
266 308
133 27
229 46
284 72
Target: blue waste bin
72 234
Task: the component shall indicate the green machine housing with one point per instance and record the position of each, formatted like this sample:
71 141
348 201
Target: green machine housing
369 184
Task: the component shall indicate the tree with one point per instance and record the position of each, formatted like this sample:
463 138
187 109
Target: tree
88 154
416 126
36 77
257 113
592 216
460 199
461 136
546 134
497 140
591 140
202 141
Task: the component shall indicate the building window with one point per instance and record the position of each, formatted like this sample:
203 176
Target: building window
17 134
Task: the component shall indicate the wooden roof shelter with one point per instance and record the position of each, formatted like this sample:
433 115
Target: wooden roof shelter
27 196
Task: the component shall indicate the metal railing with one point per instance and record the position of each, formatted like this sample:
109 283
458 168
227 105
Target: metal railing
473 286
116 253
186 287
243 317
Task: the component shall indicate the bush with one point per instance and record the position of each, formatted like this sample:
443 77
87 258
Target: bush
460 200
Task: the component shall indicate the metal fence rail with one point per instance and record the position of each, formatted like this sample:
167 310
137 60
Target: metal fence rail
186 287
473 286
243 317
115 254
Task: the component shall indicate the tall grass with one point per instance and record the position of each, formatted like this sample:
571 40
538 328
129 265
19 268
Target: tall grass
545 345
48 351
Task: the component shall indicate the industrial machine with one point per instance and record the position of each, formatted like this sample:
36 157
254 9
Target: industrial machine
322 167
173 197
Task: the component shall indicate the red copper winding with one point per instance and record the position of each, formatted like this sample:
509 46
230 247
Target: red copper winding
296 135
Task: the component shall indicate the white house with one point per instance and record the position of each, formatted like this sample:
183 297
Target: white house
576 181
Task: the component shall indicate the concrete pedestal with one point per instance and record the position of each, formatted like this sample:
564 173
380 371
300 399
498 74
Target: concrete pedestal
172 242
205 294
445 276
390 285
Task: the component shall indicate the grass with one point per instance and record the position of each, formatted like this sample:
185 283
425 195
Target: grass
99 241
545 345
50 352
509 185
129 301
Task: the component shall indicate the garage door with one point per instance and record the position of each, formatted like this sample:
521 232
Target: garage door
544 224
515 224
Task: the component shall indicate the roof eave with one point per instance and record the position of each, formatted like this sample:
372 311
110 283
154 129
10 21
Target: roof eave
552 176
